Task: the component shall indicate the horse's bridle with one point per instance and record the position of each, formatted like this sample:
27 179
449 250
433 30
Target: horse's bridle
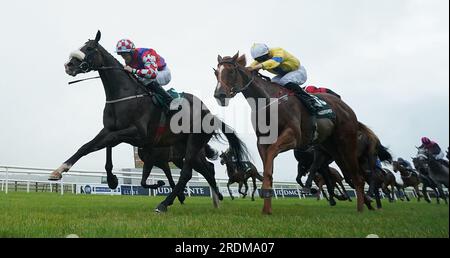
87 65
235 90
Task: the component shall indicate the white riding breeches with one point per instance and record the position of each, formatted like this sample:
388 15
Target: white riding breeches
298 77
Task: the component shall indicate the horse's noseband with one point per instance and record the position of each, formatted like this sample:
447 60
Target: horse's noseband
87 63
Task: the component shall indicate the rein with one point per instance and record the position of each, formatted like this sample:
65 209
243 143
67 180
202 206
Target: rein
148 93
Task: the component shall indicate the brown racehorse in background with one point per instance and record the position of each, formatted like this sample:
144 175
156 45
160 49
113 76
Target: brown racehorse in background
294 126
239 175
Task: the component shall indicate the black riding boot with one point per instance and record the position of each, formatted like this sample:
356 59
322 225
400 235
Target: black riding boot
156 88
307 100
310 104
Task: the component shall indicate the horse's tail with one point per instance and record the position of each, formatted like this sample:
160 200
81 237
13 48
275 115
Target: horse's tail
259 176
374 144
383 153
238 148
211 153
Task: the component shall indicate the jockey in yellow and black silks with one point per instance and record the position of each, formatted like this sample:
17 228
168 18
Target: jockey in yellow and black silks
287 68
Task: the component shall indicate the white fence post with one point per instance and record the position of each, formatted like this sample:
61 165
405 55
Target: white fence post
189 189
62 187
28 186
7 180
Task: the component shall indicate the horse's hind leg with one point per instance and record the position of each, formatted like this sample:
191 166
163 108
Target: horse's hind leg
246 188
194 145
378 198
165 167
343 192
206 169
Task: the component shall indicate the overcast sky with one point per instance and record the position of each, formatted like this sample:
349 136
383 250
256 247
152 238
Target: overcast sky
389 60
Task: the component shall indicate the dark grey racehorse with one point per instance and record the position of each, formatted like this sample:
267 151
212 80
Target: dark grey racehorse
433 174
305 160
130 116
161 156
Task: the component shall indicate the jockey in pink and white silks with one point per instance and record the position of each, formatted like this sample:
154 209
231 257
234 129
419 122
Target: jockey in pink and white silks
147 65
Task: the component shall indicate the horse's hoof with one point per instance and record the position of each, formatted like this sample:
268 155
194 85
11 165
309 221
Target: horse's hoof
55 176
332 203
113 182
220 196
306 190
161 208
181 198
267 212
160 183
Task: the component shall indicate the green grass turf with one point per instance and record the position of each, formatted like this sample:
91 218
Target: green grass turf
53 215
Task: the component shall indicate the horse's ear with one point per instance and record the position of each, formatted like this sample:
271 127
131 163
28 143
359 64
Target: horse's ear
219 58
98 36
242 60
235 57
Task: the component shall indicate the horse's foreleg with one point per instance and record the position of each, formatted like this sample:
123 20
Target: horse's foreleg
285 141
165 167
103 139
299 175
240 189
442 194
425 194
378 198
318 160
330 186
418 193
246 188
110 177
229 190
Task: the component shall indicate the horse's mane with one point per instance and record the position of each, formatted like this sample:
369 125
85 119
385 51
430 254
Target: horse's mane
266 78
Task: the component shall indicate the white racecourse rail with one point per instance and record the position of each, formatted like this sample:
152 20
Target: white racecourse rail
29 175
